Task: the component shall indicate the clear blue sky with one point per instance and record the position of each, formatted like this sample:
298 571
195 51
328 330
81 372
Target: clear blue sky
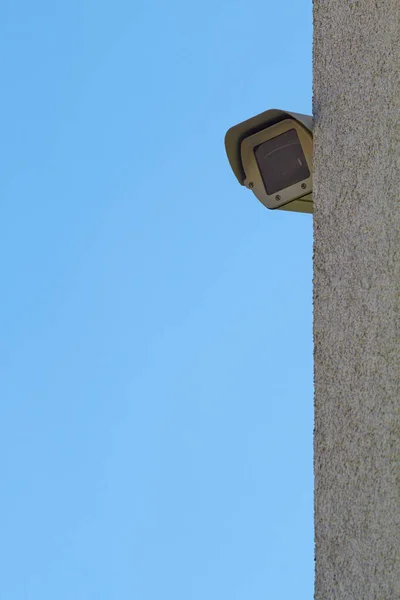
156 343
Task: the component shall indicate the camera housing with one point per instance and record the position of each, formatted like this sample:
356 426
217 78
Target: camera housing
271 154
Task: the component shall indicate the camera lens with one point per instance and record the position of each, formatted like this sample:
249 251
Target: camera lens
281 161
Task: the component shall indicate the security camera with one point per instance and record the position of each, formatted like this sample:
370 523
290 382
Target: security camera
271 154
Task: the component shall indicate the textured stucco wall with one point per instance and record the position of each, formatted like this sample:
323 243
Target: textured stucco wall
356 309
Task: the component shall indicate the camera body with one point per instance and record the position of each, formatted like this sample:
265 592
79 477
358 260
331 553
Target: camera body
271 154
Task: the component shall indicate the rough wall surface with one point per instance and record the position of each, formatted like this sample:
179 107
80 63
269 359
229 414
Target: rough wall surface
356 194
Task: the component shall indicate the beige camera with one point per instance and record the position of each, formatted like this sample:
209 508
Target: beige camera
271 154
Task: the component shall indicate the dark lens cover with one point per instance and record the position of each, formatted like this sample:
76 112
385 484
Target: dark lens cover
281 162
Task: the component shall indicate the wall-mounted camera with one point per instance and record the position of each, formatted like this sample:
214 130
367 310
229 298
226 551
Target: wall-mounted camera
271 154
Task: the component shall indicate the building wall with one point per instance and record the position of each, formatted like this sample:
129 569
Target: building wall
356 194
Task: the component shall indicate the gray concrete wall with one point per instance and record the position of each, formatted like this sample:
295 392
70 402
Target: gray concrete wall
356 309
